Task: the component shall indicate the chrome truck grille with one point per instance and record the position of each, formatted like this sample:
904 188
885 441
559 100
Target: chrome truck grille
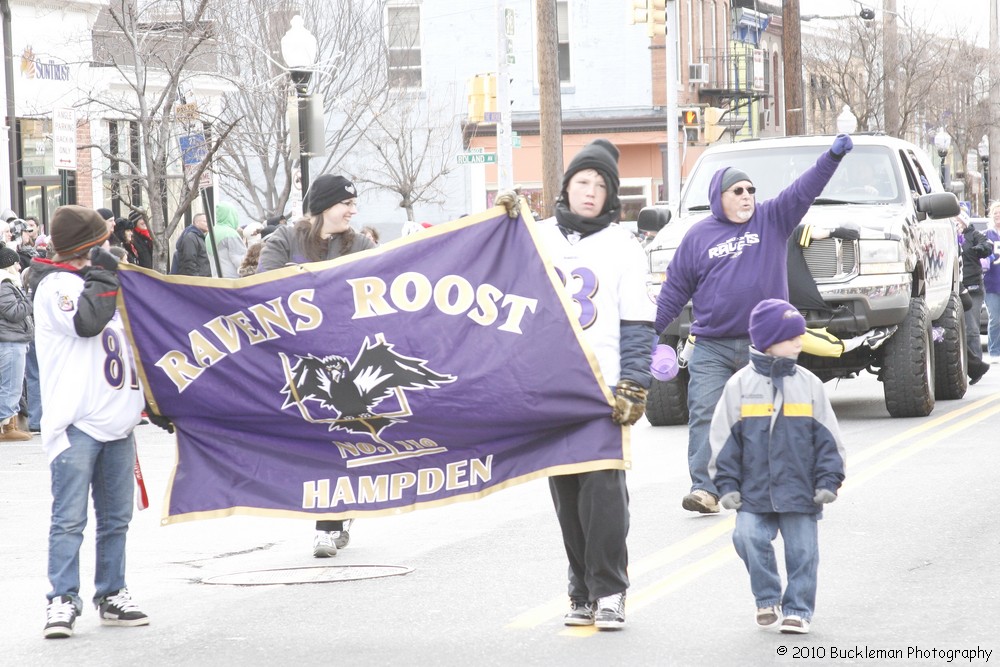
830 260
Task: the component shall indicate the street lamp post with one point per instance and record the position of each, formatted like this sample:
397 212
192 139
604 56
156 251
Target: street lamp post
942 141
298 48
847 122
984 154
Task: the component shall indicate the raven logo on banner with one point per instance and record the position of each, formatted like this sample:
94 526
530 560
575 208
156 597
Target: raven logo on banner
439 367
352 390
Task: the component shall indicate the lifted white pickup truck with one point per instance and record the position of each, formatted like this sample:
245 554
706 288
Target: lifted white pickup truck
904 270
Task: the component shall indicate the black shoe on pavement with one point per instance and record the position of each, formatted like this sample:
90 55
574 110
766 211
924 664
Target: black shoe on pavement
60 618
120 609
581 612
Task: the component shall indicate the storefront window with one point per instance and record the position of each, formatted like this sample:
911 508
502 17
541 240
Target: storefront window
36 148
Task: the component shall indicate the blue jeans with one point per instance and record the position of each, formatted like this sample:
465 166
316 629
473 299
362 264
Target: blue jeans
714 361
753 539
993 329
34 389
106 468
11 377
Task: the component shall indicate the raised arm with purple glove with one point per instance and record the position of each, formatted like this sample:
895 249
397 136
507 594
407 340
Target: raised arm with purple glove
842 145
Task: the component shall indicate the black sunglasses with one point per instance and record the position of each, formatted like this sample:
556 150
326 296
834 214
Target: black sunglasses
739 191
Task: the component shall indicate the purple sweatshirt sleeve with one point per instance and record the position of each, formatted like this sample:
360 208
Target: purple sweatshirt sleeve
676 290
791 204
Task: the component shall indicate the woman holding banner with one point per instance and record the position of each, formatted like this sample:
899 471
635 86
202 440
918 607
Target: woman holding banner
324 233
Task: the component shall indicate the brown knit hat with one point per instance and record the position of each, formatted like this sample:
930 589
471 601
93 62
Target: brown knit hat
75 230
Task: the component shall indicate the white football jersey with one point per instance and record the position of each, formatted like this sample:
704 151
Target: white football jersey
90 383
605 276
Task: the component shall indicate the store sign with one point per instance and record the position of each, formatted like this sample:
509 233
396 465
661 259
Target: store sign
31 68
64 139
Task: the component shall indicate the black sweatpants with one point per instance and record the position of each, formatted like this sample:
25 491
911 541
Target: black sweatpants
592 509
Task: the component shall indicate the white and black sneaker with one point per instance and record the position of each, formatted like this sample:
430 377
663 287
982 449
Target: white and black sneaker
60 617
581 612
120 609
325 544
610 614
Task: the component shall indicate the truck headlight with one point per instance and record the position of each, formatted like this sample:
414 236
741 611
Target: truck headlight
659 258
878 256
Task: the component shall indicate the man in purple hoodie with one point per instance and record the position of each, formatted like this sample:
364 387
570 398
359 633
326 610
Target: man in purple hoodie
725 265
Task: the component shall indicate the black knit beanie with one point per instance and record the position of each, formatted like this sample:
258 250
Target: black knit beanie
105 213
75 230
602 156
8 257
732 177
326 191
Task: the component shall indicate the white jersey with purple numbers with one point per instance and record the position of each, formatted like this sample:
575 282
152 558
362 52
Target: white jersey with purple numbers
605 277
90 383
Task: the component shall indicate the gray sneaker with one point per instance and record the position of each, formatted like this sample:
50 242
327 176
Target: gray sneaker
610 614
581 612
324 544
700 501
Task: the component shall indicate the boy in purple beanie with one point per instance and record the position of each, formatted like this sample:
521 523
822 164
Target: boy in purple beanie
777 458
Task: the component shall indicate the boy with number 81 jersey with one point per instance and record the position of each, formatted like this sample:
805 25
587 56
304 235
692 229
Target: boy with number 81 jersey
92 400
603 269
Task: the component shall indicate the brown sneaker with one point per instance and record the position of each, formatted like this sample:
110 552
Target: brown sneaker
794 625
768 617
9 433
701 501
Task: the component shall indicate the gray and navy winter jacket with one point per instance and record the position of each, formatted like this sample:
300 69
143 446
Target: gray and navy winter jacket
775 438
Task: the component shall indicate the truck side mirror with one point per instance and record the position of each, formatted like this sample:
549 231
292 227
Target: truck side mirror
653 218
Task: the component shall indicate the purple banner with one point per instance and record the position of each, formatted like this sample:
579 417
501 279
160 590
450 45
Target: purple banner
442 366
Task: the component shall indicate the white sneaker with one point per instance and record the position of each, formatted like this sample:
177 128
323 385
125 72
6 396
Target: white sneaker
324 544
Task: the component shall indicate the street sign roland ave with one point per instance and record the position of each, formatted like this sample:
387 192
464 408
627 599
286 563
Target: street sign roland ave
477 158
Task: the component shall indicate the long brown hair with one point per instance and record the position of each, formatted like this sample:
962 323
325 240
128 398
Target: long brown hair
309 231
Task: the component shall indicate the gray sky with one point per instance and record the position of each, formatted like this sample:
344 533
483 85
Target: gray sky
969 16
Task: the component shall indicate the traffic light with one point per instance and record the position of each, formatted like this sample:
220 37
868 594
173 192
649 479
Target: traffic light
656 18
651 12
713 131
482 96
690 117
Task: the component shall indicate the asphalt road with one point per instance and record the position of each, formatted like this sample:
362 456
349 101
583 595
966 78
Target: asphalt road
908 566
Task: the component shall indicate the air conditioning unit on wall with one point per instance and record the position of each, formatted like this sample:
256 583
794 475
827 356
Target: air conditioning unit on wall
698 73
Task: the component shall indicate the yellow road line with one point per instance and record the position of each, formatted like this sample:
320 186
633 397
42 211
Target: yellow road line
640 598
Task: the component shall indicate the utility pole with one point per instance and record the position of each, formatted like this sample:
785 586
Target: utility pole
673 146
550 104
791 48
890 69
994 118
505 146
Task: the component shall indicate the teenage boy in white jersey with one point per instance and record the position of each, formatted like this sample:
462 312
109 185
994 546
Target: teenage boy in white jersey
603 268
92 401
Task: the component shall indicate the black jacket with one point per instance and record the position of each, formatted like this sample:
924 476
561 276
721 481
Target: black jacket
975 247
191 256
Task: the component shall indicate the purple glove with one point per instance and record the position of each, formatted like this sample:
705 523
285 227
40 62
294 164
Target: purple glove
664 364
842 145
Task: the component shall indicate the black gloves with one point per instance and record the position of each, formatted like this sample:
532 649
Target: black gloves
159 420
104 259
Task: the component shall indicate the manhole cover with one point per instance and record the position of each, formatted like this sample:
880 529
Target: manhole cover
308 575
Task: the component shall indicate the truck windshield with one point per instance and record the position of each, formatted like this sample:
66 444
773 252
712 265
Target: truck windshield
867 175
